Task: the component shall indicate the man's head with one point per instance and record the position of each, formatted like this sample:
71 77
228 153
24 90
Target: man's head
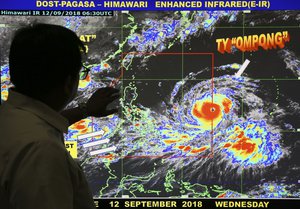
45 60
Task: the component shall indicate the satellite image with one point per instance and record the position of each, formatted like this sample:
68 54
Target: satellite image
190 122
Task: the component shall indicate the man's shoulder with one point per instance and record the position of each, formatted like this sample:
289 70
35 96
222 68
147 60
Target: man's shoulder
17 124
12 116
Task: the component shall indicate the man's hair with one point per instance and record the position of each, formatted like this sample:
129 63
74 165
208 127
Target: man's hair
42 56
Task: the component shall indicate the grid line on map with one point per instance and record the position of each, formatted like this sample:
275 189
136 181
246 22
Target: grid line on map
122 88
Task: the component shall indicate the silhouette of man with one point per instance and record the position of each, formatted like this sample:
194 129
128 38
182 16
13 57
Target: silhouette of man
36 171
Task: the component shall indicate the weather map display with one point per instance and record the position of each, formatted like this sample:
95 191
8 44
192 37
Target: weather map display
198 117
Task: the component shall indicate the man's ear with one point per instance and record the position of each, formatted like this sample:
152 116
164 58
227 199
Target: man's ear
69 85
